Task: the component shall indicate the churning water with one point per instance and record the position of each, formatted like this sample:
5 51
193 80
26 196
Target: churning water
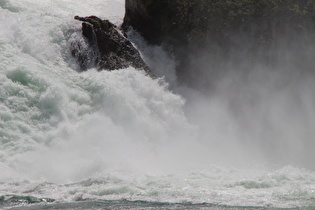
69 137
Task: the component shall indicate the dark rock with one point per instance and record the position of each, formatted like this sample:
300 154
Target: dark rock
219 28
115 51
156 21
192 22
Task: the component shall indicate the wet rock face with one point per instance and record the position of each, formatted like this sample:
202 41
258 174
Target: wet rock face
138 16
156 21
194 22
219 29
114 50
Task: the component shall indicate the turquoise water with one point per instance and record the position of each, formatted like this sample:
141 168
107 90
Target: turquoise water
120 139
124 204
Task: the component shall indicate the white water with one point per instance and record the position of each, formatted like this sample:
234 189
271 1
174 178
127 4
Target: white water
120 134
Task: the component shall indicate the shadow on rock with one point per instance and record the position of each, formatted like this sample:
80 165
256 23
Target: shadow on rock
113 49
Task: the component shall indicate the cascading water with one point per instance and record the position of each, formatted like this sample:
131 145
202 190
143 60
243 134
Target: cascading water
71 136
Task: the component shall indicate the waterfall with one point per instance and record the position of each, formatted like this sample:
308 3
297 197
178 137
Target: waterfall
67 136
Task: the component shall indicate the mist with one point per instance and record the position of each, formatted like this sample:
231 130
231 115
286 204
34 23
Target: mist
258 101
252 103
235 129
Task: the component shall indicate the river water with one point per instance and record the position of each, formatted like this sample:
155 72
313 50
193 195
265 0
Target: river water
120 139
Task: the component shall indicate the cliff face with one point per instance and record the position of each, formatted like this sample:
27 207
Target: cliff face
192 20
155 20
218 26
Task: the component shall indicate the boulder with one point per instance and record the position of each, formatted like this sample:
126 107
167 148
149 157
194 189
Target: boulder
114 50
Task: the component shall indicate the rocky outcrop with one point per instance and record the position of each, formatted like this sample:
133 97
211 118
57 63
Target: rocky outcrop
114 50
155 20
195 21
219 27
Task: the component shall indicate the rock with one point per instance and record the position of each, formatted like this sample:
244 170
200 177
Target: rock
115 51
154 20
218 28
193 22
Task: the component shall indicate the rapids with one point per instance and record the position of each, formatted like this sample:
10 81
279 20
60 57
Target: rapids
71 136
